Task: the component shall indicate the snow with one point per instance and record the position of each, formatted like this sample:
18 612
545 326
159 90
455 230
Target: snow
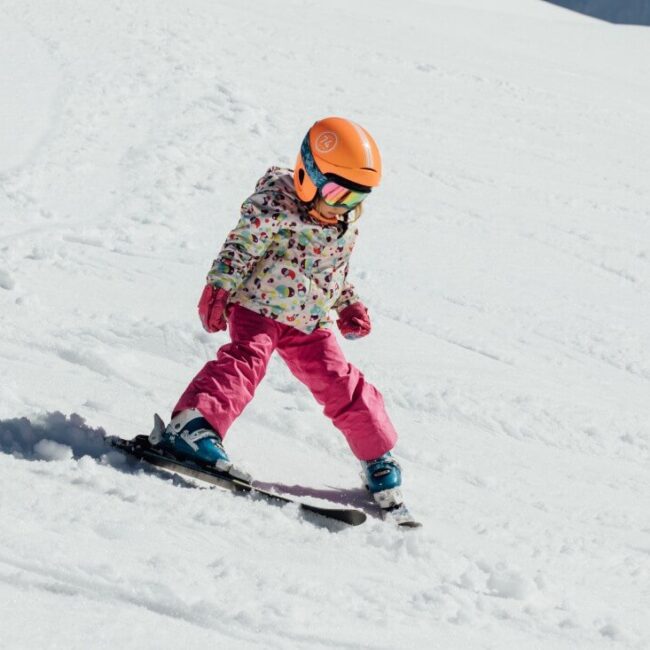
505 262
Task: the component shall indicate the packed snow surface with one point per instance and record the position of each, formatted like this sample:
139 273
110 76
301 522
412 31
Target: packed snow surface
506 264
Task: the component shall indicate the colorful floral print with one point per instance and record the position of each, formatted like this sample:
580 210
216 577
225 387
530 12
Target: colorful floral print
280 263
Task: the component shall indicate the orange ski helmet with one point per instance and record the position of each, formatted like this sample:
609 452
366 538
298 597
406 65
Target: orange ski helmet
339 149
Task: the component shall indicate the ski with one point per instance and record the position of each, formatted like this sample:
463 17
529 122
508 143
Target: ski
141 448
400 516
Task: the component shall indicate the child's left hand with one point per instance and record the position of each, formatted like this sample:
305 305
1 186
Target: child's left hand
212 308
354 321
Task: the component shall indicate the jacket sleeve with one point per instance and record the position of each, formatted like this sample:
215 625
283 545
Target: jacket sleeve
247 242
348 295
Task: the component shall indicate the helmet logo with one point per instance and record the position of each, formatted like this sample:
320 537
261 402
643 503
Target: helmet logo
325 142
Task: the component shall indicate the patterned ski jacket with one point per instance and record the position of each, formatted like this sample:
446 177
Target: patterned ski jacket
281 263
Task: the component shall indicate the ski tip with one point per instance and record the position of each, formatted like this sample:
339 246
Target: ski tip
349 516
356 518
409 524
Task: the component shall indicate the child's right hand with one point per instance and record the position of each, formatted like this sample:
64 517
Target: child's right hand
354 321
212 308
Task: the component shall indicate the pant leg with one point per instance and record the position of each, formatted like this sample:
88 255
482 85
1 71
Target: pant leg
355 407
224 387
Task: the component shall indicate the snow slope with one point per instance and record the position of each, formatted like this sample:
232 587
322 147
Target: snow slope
505 262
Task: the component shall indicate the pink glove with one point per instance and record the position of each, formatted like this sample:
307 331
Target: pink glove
212 308
354 321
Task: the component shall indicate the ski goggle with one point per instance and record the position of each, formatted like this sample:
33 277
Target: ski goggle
333 193
336 195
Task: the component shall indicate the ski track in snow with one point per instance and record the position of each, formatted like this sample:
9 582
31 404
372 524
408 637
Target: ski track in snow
515 364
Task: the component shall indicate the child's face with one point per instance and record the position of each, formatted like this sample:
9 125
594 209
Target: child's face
328 211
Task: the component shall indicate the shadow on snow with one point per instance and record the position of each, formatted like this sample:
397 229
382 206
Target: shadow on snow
57 437
631 12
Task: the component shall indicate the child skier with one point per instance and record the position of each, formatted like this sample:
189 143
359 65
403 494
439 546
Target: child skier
279 274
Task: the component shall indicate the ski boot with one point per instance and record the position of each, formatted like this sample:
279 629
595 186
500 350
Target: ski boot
189 436
383 478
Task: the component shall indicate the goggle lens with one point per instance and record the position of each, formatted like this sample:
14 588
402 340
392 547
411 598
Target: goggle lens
336 195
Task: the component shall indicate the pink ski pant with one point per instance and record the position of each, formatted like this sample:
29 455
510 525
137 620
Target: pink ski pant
223 388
